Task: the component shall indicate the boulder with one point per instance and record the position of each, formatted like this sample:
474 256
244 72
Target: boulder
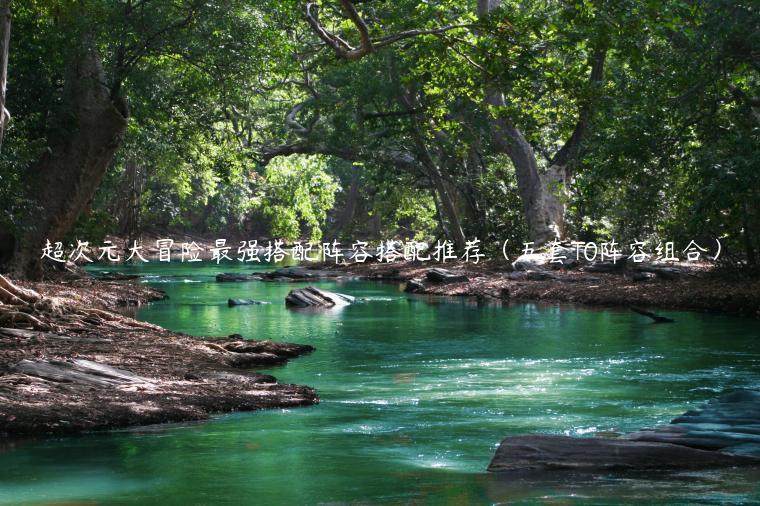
314 297
414 286
227 277
245 302
723 432
530 261
444 276
730 424
544 452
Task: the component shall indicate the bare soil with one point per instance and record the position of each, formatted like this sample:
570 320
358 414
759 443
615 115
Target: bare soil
178 377
699 288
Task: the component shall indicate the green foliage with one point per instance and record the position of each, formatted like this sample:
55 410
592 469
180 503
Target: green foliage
295 194
214 87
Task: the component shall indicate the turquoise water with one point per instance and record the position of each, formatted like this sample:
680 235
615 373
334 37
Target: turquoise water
415 395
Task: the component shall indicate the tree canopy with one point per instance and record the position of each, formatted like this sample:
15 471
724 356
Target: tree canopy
502 120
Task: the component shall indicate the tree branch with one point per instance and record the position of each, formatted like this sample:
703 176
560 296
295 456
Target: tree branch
344 50
569 151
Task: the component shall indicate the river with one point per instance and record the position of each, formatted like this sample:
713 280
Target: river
416 393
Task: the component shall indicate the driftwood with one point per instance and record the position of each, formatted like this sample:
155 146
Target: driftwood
656 318
78 371
314 297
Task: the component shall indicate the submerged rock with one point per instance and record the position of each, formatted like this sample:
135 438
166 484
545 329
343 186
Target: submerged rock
438 275
245 302
227 277
300 274
314 297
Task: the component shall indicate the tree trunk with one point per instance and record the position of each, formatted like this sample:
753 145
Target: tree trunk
352 200
5 40
540 193
88 130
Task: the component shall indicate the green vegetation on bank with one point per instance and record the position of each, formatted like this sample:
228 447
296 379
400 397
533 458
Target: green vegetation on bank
512 120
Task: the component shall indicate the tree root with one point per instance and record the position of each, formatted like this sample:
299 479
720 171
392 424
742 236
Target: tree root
27 296
23 308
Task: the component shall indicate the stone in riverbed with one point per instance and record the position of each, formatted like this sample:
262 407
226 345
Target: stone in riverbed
227 277
314 297
730 424
725 431
544 452
245 302
300 274
438 275
414 286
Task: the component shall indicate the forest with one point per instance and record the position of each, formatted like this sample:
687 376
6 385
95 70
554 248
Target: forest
516 252
506 121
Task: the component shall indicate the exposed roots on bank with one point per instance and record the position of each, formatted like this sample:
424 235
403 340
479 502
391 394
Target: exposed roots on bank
23 308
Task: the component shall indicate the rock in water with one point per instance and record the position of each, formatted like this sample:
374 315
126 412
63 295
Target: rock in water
414 286
314 297
445 276
723 432
300 274
227 277
543 452
729 424
244 302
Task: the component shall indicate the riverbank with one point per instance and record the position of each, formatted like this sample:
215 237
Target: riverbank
693 288
69 362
